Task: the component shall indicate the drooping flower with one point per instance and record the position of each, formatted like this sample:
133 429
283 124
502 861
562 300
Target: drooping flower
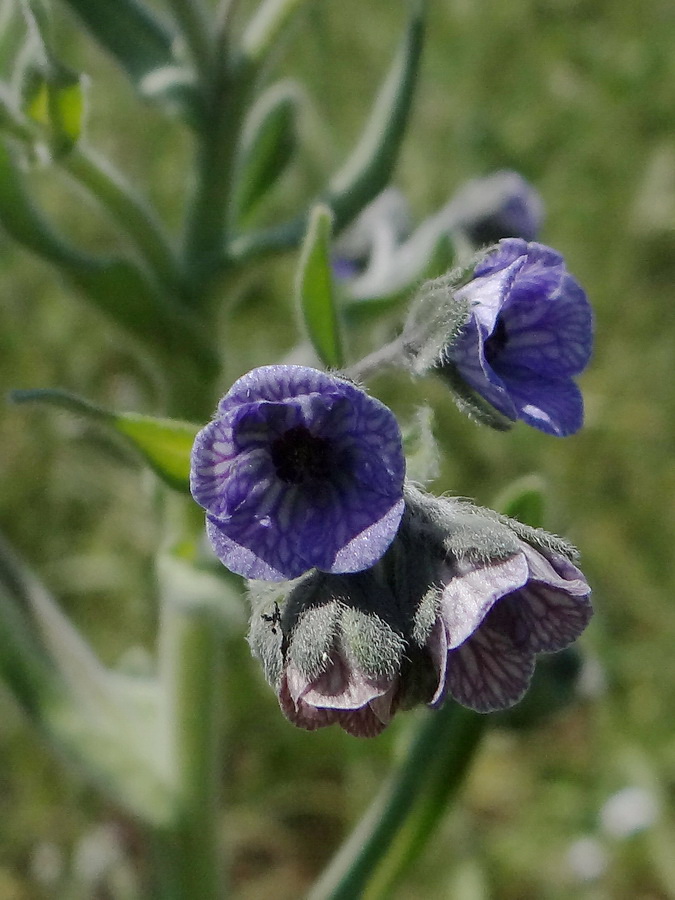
460 605
530 330
299 470
505 593
335 655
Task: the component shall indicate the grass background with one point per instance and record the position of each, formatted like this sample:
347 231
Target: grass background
579 96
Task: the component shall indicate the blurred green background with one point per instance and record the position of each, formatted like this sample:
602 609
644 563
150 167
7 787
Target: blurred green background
577 95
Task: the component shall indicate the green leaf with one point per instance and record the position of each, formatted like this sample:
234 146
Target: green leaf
116 286
263 30
130 32
369 168
524 500
315 289
268 144
164 444
106 723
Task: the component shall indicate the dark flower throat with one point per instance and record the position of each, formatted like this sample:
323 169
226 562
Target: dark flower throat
496 342
299 456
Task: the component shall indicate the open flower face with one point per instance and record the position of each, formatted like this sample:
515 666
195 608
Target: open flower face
530 330
299 470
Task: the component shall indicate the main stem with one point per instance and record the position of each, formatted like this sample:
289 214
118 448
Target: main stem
190 853
226 103
397 825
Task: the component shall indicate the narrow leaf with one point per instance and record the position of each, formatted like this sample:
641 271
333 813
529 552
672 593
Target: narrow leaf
268 144
164 444
265 26
118 287
107 724
316 292
369 168
130 32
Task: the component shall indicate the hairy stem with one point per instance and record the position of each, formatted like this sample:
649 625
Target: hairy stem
190 659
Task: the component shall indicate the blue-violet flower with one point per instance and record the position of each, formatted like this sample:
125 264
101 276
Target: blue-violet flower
299 470
529 331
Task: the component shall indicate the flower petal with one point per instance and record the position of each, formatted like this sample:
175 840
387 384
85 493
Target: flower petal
240 559
469 357
552 619
301 714
369 545
551 405
488 672
551 334
468 597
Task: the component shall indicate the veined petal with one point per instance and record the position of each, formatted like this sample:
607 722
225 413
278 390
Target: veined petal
488 672
467 598
552 338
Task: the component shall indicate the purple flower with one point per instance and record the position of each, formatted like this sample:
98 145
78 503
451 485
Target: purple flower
493 619
530 330
299 470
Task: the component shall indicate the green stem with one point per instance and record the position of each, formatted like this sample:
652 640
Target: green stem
392 354
226 104
190 660
134 218
193 20
397 825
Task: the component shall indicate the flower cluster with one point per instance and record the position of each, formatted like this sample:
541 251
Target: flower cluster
460 605
299 470
392 597
530 330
